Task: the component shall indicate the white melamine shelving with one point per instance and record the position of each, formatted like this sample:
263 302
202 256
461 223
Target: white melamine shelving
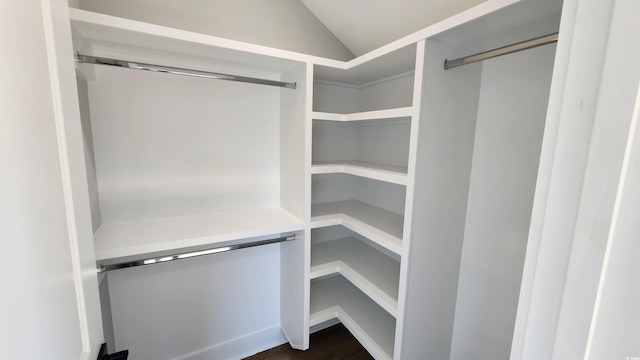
380 226
166 171
148 236
340 150
377 149
105 35
335 297
365 116
374 273
388 173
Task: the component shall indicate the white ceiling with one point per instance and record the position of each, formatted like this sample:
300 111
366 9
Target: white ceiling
364 25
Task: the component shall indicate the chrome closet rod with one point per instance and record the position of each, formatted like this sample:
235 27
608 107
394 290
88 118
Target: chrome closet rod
524 45
190 254
88 59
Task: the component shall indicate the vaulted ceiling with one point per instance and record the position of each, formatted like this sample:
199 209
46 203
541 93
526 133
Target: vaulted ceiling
364 25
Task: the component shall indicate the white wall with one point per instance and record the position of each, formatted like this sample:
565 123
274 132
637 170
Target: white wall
443 169
614 333
38 303
172 146
511 114
175 309
282 24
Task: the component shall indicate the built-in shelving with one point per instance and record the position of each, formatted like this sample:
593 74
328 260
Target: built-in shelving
376 149
361 131
147 236
382 172
334 297
374 273
365 116
380 226
350 163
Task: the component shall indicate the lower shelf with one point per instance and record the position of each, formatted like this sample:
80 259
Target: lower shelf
335 297
148 236
381 172
375 274
381 226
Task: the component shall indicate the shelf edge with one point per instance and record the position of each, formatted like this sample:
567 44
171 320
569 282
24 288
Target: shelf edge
364 116
359 281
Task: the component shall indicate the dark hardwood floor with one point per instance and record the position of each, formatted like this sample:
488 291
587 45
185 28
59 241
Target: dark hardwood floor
334 343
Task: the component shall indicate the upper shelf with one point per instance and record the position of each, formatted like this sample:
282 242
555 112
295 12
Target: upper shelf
149 236
396 113
382 172
104 35
109 36
398 62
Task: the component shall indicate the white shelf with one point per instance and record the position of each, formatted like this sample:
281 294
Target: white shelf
110 34
394 63
374 273
380 226
388 173
364 116
149 236
374 328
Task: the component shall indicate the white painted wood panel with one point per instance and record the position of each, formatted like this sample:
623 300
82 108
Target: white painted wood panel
443 166
374 273
294 259
379 225
568 132
129 34
363 116
383 142
49 294
513 101
169 146
384 94
148 236
199 308
387 173
613 329
279 24
593 322
371 325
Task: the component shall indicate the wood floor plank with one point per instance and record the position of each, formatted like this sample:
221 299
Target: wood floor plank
333 343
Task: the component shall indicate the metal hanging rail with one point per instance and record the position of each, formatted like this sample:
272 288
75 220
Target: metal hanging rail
524 45
186 255
87 59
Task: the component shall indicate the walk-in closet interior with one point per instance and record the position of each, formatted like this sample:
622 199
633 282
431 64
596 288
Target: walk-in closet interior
386 192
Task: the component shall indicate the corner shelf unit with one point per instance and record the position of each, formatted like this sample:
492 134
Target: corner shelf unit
336 298
363 146
374 273
339 152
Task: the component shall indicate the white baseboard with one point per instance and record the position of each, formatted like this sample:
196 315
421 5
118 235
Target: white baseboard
240 348
324 325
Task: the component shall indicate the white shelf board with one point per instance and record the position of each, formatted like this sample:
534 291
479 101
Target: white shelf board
374 273
335 297
148 236
471 15
389 65
378 225
99 29
388 173
402 112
